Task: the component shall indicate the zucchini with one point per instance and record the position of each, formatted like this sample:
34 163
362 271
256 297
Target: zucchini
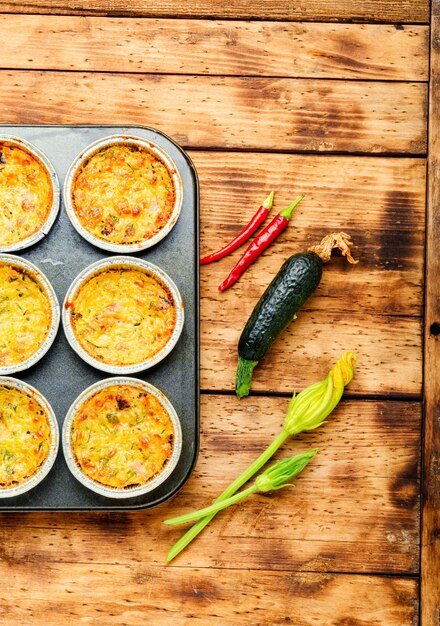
295 282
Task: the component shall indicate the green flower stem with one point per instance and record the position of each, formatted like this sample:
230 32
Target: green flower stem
274 477
228 492
306 411
214 508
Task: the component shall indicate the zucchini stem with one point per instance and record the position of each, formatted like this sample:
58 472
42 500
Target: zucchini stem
243 377
341 241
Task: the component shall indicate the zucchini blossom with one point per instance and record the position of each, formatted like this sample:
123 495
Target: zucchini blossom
313 405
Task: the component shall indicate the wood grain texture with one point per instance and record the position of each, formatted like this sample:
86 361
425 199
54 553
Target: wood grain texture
214 47
388 349
205 111
292 557
430 590
127 595
355 508
380 202
410 11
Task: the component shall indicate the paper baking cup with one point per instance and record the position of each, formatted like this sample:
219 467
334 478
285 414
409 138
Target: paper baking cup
45 228
17 261
105 264
128 492
44 469
85 155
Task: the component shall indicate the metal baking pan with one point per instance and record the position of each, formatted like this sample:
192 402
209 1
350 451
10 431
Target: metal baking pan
62 375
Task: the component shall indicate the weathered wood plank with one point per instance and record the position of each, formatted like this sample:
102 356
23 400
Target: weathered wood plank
380 202
389 351
205 111
430 588
214 47
355 507
411 11
129 595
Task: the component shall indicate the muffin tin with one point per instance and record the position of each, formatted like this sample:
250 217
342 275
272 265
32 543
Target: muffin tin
61 375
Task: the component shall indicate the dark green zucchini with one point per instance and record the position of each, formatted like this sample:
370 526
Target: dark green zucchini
295 282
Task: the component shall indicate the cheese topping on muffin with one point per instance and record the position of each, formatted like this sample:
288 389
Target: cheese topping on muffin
26 194
25 436
123 316
25 314
123 194
122 436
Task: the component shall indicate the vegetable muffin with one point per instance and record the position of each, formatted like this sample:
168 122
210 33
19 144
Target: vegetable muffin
26 194
122 315
25 436
123 194
122 436
25 314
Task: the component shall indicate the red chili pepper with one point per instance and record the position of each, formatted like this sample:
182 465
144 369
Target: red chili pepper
260 243
243 235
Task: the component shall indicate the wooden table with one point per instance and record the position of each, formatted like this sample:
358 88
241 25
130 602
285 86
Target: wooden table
329 99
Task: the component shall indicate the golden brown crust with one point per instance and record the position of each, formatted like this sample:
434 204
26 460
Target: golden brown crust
25 314
122 436
25 436
26 194
123 316
123 194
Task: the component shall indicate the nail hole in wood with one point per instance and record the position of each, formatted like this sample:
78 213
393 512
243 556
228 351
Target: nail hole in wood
435 329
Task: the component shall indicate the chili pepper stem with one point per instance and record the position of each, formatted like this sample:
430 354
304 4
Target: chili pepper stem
288 211
243 377
214 508
269 201
227 493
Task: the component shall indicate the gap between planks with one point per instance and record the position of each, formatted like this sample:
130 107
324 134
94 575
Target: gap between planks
430 480
223 18
308 10
365 397
222 75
